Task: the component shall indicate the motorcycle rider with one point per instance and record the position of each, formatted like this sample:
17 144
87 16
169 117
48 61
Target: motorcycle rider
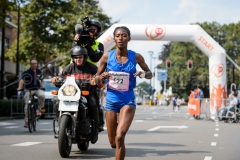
81 66
95 51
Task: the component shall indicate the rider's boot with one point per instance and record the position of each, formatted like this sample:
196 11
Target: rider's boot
94 137
101 119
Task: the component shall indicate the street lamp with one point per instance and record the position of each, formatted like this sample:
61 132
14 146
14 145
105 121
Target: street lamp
154 58
151 54
18 33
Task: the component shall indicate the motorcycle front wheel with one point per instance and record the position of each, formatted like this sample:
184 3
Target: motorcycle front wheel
64 141
83 146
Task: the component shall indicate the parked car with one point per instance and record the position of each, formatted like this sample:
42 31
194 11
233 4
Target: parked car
50 99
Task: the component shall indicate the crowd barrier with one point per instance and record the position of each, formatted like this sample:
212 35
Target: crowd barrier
17 107
197 107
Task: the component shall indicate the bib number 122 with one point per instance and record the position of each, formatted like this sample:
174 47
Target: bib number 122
118 81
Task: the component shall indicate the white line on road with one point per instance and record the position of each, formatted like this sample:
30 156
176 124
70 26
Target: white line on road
155 128
46 129
26 144
213 143
217 125
215 135
208 158
217 129
158 127
139 121
149 118
12 127
6 123
45 123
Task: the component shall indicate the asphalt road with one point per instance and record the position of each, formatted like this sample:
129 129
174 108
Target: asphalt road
156 133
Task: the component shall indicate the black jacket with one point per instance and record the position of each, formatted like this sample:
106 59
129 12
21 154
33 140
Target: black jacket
86 71
95 56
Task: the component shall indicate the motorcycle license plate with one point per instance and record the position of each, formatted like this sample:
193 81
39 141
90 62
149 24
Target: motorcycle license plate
68 106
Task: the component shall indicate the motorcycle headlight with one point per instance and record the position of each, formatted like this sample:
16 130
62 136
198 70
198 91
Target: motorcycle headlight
69 90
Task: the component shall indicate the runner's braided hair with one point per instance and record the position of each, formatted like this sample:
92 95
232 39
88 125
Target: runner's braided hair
124 28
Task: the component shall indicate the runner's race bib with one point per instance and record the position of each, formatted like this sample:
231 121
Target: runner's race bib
119 81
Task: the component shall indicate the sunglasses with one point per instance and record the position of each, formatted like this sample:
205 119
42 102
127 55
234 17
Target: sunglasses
78 57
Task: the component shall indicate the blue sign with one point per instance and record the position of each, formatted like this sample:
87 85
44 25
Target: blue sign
162 74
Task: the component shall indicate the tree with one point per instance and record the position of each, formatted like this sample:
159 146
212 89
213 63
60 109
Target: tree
47 27
144 85
8 6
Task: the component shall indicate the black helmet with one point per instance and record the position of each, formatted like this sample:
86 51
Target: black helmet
78 50
96 23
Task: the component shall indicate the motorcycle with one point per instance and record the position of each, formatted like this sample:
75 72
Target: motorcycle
74 126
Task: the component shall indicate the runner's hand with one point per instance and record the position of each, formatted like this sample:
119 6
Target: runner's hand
138 73
105 75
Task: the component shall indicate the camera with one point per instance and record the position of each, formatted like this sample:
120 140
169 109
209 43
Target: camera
83 31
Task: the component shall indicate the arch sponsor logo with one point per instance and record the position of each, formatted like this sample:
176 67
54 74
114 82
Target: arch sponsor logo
217 70
206 43
155 32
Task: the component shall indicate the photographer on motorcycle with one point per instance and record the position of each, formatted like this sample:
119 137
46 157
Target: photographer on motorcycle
95 48
95 51
81 66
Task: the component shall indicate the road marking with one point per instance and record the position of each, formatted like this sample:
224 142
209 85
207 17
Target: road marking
12 127
208 158
139 121
45 123
6 123
45 129
217 125
215 135
217 129
149 118
26 144
158 127
213 143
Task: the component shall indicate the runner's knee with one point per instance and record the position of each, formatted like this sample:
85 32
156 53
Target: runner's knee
119 139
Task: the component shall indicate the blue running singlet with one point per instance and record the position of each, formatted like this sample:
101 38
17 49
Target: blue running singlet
122 81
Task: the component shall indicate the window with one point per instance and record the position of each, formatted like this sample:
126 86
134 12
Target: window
7 45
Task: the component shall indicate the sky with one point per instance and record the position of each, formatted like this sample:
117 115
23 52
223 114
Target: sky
168 12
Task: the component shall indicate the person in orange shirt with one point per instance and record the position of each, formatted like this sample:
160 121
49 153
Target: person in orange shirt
192 94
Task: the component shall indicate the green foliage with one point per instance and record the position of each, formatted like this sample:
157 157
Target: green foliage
47 27
144 85
5 107
11 90
8 6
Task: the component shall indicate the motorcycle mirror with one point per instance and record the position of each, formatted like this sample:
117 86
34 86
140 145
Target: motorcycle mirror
50 68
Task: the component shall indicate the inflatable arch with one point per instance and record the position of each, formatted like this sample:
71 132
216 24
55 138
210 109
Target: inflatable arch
184 33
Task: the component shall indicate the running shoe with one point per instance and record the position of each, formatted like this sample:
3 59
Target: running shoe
39 113
26 125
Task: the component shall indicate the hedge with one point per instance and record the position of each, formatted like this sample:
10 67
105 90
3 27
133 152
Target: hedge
5 107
